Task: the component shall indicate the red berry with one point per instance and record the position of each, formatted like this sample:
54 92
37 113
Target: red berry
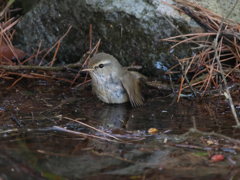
217 157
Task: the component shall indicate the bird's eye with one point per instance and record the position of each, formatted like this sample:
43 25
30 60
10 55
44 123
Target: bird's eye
101 65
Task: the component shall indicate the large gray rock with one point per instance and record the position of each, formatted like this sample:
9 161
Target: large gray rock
129 30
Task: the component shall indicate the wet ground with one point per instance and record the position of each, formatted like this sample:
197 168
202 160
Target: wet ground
40 140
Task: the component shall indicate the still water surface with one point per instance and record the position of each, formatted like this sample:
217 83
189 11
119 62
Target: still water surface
35 148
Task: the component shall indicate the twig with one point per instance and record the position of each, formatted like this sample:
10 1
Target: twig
16 120
180 90
192 130
54 57
95 129
29 67
185 77
39 46
134 67
16 81
174 93
80 133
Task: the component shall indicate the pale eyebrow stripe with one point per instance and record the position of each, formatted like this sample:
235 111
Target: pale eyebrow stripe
103 62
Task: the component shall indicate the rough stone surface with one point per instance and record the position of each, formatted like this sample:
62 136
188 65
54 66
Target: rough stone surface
129 30
222 7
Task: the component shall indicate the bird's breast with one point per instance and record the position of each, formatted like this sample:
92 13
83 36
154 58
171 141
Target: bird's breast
109 88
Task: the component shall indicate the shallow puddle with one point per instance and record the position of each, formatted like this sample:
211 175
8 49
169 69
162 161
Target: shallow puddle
33 145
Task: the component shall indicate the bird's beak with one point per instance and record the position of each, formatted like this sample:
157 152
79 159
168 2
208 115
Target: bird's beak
87 70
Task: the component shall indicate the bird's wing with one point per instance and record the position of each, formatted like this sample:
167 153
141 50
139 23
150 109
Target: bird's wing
138 75
131 85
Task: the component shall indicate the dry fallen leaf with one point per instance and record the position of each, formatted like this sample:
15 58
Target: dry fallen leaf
7 52
209 142
152 131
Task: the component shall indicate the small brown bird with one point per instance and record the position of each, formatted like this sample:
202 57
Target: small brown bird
113 83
